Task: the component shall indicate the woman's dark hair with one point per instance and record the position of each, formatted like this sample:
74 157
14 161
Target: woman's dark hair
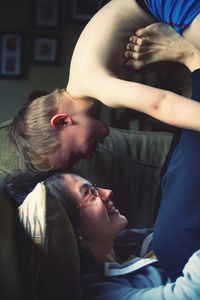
58 189
20 184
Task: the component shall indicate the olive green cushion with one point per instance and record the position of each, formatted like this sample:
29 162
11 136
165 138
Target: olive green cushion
8 157
61 269
49 256
128 162
10 277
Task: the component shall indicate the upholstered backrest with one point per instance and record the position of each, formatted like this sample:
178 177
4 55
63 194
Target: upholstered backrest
10 275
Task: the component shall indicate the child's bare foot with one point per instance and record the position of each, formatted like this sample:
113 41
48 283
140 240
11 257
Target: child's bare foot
159 42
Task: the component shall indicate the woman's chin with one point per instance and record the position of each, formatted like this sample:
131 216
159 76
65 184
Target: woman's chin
119 220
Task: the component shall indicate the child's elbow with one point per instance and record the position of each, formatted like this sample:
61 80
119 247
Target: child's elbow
162 108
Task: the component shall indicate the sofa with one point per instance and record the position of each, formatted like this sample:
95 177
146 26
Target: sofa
128 162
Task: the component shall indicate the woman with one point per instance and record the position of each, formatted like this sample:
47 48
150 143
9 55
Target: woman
97 223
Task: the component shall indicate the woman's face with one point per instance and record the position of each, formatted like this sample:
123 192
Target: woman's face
100 219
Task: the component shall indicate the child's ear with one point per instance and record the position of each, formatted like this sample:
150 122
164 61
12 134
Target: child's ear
60 120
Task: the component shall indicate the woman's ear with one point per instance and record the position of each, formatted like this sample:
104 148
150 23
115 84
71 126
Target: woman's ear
60 120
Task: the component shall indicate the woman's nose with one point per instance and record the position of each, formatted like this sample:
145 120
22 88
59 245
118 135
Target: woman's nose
105 194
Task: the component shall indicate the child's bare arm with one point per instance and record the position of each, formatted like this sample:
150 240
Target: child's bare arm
163 105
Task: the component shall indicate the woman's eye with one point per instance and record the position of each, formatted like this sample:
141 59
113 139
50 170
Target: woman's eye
86 192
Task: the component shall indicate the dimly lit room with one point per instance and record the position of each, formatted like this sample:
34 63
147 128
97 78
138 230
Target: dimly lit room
99 137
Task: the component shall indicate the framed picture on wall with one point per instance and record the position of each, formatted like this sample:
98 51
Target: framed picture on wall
46 13
83 10
11 55
45 50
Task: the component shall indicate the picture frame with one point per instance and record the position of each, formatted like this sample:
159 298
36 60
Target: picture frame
11 55
83 10
46 14
45 50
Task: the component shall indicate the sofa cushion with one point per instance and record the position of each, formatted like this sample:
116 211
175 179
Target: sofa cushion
50 260
10 276
8 157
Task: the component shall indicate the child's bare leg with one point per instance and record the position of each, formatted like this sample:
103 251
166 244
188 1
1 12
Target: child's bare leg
191 33
159 42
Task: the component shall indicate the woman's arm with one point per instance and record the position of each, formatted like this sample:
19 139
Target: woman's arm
163 105
185 287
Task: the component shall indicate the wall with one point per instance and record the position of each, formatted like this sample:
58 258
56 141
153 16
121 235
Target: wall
16 16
